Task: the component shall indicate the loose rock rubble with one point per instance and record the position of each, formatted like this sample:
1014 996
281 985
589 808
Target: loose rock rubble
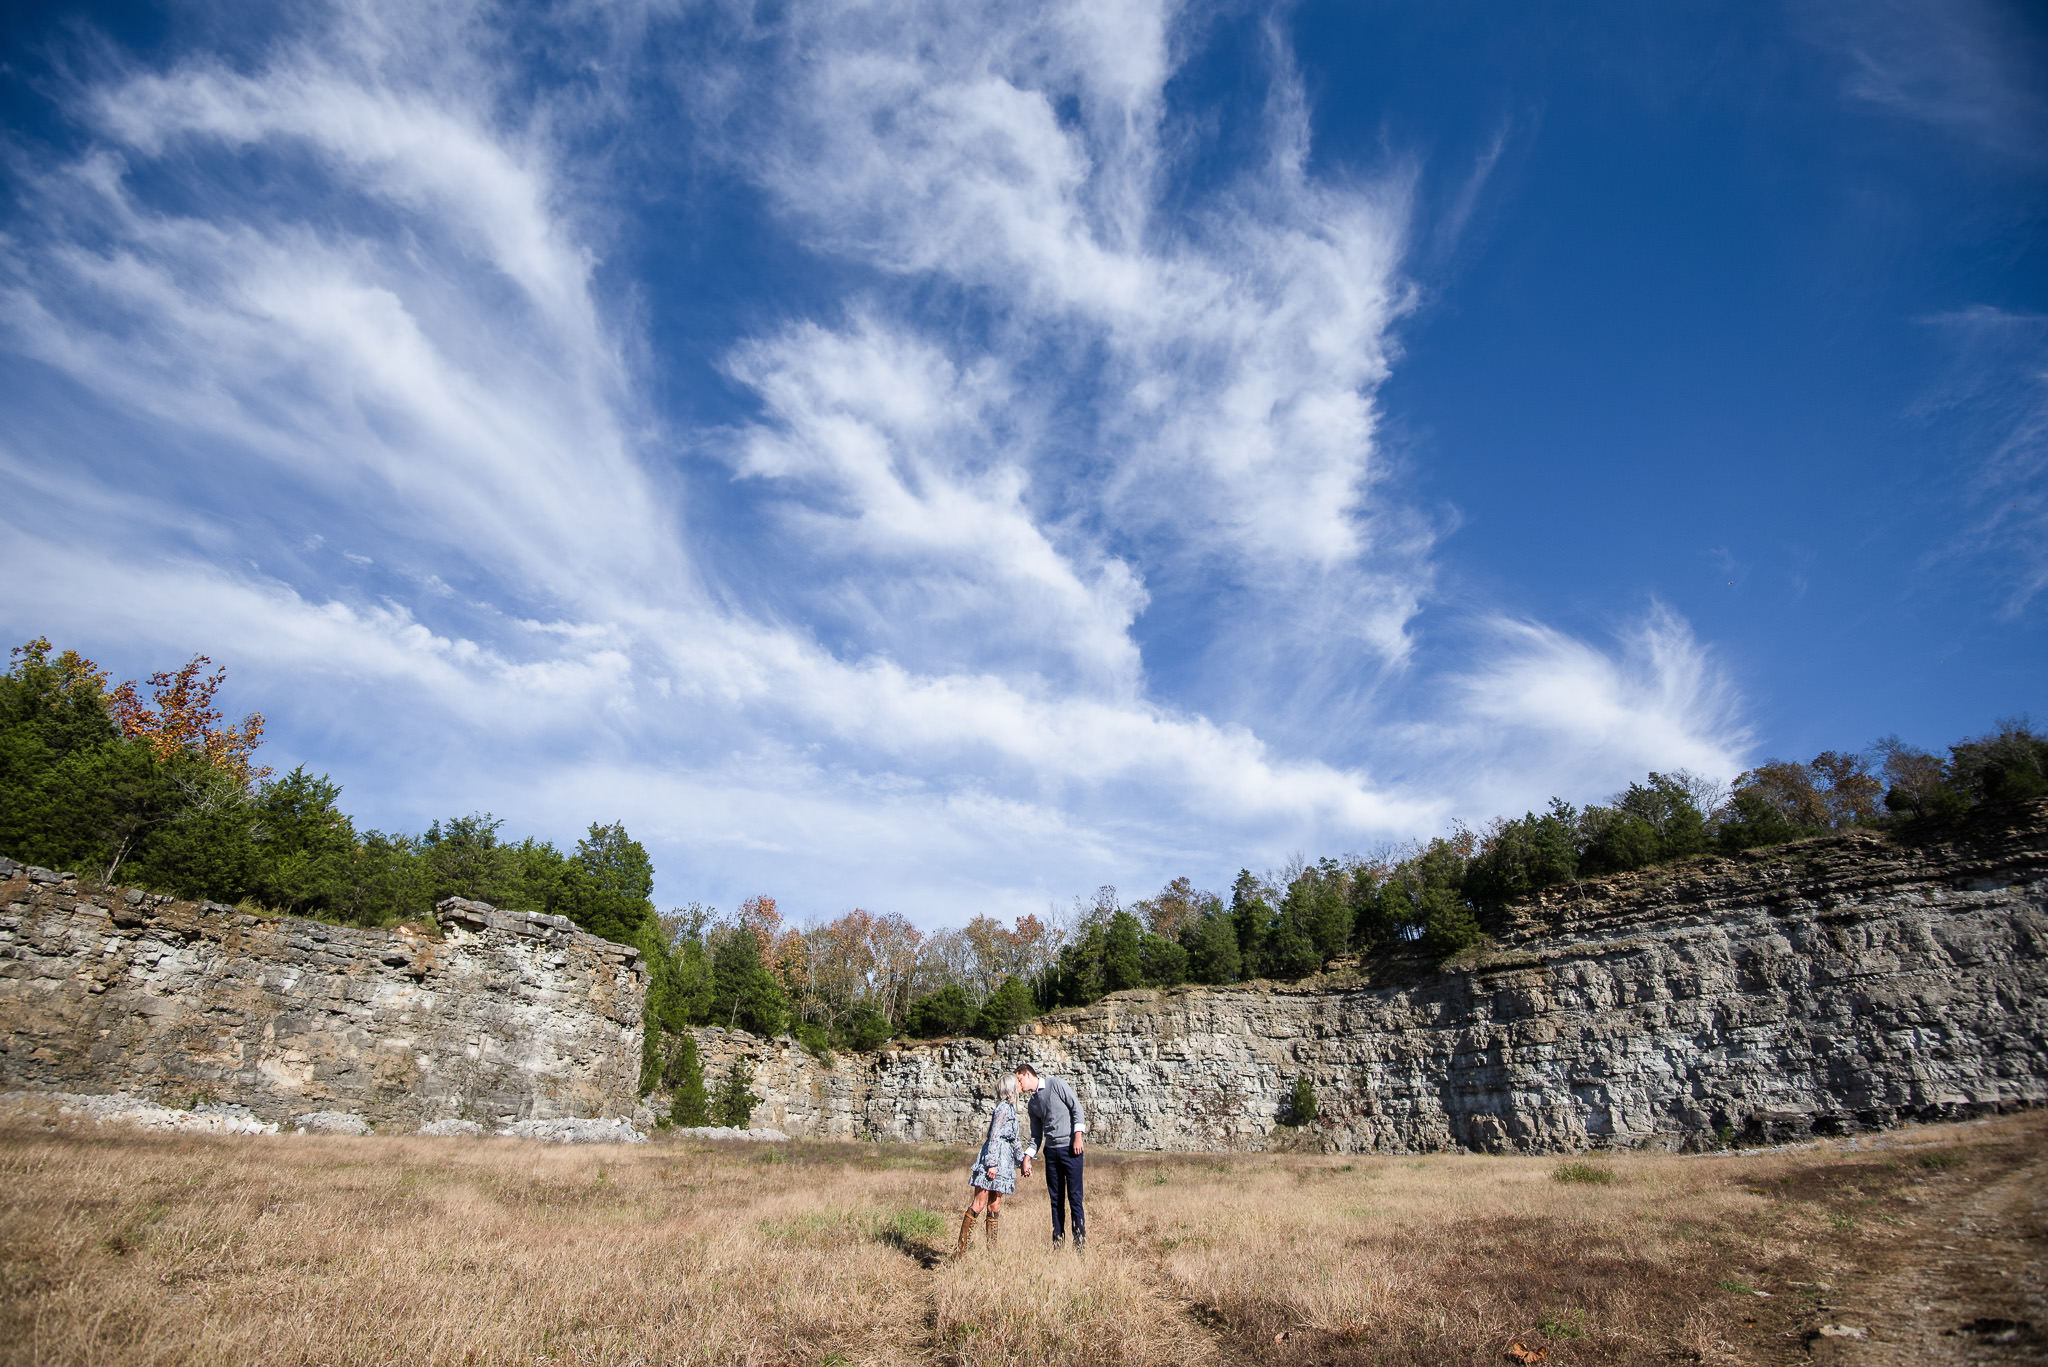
567 1131
451 1129
728 1132
120 1108
331 1122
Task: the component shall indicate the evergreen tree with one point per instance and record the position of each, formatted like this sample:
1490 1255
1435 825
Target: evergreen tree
1078 979
1008 1007
1519 857
945 1013
1314 924
305 844
1212 947
1302 1106
1253 918
693 982
1448 924
1123 960
2008 765
386 881
734 1104
744 994
687 1104
617 882
464 858
865 1028
1289 952
1328 921
1361 894
1165 963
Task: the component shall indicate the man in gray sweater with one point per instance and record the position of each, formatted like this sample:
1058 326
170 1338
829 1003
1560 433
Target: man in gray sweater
1059 1130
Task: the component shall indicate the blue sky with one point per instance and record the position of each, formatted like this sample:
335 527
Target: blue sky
943 459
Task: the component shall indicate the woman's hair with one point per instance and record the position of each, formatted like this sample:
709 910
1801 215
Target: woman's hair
1006 1090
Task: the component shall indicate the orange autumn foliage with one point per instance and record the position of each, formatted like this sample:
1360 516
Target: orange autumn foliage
185 720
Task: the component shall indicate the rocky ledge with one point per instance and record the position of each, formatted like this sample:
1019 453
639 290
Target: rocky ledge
488 1016
1840 984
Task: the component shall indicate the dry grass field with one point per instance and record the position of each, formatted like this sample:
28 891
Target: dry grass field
119 1247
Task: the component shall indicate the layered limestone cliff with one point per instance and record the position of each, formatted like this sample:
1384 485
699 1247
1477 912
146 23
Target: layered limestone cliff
1840 984
496 1017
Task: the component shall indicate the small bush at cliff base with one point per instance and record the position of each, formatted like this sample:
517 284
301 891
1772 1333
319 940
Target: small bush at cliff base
1301 1102
685 1078
1583 1172
734 1104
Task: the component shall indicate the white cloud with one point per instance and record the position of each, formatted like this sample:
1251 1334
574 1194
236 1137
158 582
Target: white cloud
1239 345
1547 714
378 367
1970 66
898 458
1996 391
970 507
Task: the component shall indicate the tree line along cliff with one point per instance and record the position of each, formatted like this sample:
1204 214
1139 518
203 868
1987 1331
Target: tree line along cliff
1841 983
147 784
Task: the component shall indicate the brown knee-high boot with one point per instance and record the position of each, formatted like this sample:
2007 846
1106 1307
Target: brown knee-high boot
994 1218
966 1235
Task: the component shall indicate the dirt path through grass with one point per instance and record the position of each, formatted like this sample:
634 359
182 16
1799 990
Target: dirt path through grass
1971 1285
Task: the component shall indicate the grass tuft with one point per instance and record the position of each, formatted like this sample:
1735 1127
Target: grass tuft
1583 1172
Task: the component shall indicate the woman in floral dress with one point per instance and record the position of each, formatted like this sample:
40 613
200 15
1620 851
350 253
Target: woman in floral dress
995 1167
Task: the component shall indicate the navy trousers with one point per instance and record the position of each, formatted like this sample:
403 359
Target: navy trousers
1063 1185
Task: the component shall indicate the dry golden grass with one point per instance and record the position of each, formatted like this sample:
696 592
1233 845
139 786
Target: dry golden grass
125 1248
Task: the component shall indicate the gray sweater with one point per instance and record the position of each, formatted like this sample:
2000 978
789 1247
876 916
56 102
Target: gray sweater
1056 1115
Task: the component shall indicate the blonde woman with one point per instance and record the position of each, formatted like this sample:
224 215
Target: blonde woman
995 1167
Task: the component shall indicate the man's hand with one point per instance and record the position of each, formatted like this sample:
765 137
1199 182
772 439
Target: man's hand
1078 1138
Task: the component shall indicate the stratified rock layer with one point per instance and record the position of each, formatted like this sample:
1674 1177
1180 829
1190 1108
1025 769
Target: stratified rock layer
1840 984
1836 985
503 1017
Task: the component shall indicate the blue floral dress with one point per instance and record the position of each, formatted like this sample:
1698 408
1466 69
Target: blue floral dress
1001 1152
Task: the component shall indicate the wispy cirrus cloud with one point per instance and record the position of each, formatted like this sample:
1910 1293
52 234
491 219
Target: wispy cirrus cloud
1995 392
1541 702
335 326
1974 67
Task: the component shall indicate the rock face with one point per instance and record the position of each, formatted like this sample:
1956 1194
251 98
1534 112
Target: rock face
502 1017
1835 985
1840 984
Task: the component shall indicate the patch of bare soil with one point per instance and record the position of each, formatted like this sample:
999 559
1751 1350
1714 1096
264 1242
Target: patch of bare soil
1968 1280
1928 1252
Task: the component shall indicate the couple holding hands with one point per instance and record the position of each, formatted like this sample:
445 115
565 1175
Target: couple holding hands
1057 1129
